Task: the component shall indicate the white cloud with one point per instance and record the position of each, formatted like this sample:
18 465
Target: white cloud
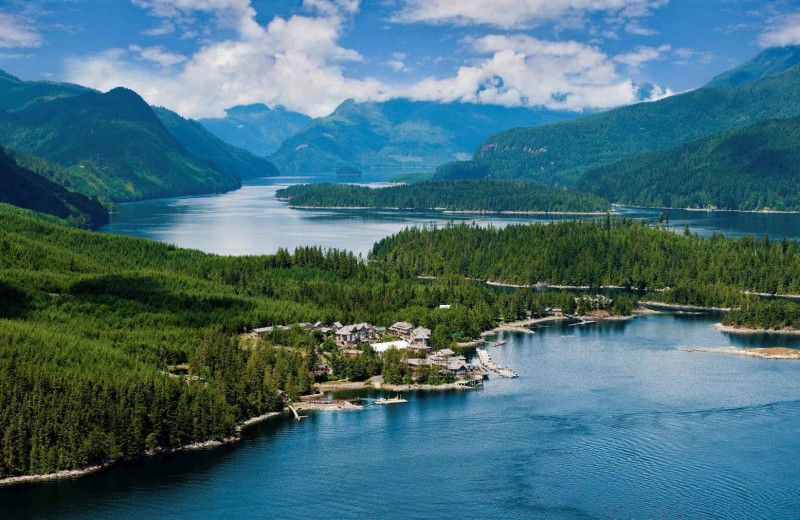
158 55
511 14
781 33
17 32
298 62
642 55
525 71
294 62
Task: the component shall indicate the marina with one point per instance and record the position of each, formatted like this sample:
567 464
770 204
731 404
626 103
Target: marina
486 362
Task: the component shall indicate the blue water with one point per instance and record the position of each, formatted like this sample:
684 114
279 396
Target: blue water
605 421
251 221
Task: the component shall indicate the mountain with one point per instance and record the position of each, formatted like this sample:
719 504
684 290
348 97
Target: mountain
24 188
766 64
400 132
201 143
752 168
559 153
113 144
16 94
256 128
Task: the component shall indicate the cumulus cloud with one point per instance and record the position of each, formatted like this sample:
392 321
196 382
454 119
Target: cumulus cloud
158 55
515 14
524 71
642 55
781 33
17 32
295 62
299 62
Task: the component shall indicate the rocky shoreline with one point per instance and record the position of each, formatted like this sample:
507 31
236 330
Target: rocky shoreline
94 468
744 330
761 353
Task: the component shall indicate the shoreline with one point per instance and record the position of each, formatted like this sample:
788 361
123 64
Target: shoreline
364 385
94 468
745 330
760 353
682 307
453 211
717 210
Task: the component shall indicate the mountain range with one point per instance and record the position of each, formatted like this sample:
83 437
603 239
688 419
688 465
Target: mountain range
765 88
116 147
400 133
256 128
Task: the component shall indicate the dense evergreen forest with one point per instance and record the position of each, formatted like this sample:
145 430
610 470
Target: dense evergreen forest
461 195
27 189
90 324
765 314
753 168
606 252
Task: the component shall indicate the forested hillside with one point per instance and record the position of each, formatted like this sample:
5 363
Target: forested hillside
204 145
400 132
113 145
766 64
24 188
461 195
90 324
610 252
559 153
754 168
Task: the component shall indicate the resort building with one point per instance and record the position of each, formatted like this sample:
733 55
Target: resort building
402 329
421 336
355 334
380 348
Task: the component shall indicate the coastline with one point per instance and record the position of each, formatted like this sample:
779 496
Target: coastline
94 468
761 353
718 210
682 307
453 211
365 385
744 330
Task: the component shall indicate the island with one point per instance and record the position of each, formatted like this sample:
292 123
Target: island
482 195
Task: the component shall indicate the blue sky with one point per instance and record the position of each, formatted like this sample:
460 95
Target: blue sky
201 56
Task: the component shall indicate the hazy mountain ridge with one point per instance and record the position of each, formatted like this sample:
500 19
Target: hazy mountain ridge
400 132
560 153
256 128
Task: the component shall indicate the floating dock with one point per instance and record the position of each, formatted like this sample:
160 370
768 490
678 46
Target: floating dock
486 361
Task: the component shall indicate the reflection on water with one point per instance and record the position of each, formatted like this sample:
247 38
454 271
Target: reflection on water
251 221
609 420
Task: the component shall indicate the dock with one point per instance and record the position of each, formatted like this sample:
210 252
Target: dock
487 362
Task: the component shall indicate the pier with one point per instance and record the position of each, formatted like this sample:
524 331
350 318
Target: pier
486 361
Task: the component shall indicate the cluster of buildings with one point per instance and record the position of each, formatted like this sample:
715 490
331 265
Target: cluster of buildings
416 340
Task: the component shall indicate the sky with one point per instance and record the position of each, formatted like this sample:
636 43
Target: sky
199 57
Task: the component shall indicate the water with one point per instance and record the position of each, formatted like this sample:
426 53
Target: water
605 421
251 221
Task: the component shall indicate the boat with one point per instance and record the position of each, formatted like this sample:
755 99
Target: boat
392 400
499 343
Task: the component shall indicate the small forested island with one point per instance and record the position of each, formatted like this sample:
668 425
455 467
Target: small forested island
480 195
757 315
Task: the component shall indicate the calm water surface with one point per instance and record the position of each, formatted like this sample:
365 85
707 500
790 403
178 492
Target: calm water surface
251 221
605 421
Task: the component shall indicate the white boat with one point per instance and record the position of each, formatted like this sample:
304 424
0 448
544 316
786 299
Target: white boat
393 400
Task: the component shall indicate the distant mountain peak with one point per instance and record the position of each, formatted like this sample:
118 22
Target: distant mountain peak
767 63
8 77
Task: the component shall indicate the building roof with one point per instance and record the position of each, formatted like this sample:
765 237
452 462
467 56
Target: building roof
383 347
445 352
